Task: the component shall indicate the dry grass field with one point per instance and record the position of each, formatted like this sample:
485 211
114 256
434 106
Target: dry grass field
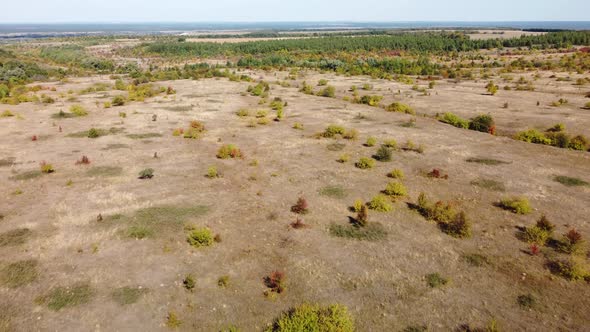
128 215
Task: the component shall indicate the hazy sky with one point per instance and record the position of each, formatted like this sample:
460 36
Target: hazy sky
12 11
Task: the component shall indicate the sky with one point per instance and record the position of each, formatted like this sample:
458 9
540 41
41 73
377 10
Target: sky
122 11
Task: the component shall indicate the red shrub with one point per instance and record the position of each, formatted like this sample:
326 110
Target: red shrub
300 207
276 282
34 138
535 249
83 161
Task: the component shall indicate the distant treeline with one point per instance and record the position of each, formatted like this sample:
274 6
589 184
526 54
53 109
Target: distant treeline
420 43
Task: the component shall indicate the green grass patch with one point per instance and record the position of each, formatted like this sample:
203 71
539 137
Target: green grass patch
179 108
370 232
14 237
66 297
489 184
570 182
487 161
336 146
95 133
476 260
116 146
435 280
104 171
128 295
27 175
153 221
144 136
333 192
19 273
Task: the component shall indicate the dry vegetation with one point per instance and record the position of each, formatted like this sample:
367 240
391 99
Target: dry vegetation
265 199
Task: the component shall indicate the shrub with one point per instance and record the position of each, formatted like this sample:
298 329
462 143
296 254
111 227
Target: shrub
78 110
298 125
322 82
118 101
298 224
396 174
458 227
371 141
147 173
526 301
401 108
383 154
536 235
6 114
46 168
435 280
333 130
357 205
365 163
343 158
455 120
544 224
212 172
172 320
301 207
533 136
572 242
242 113
259 89
200 237
437 174
229 151
578 143
483 123
395 189
518 205
380 203
362 217
310 317
587 105
261 113
351 134
276 282
83 161
390 143
492 88
371 100
328 91
189 282
93 133
570 269
223 281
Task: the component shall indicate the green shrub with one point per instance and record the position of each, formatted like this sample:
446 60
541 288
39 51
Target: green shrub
47 168
401 108
223 281
380 203
395 189
383 154
78 110
6 114
351 134
396 174
260 89
229 151
365 163
571 268
242 113
435 280
358 205
328 91
212 172
535 235
118 101
483 123
147 173
455 120
533 136
571 242
518 205
201 237
189 282
311 317
333 130
298 125
390 143
526 301
344 158
93 133
371 100
459 226
579 143
371 141
322 82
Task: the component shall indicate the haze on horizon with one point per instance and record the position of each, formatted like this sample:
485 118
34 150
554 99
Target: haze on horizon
130 11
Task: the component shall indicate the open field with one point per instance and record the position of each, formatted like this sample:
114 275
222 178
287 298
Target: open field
120 209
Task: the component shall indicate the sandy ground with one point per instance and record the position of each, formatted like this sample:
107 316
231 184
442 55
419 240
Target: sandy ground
381 282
